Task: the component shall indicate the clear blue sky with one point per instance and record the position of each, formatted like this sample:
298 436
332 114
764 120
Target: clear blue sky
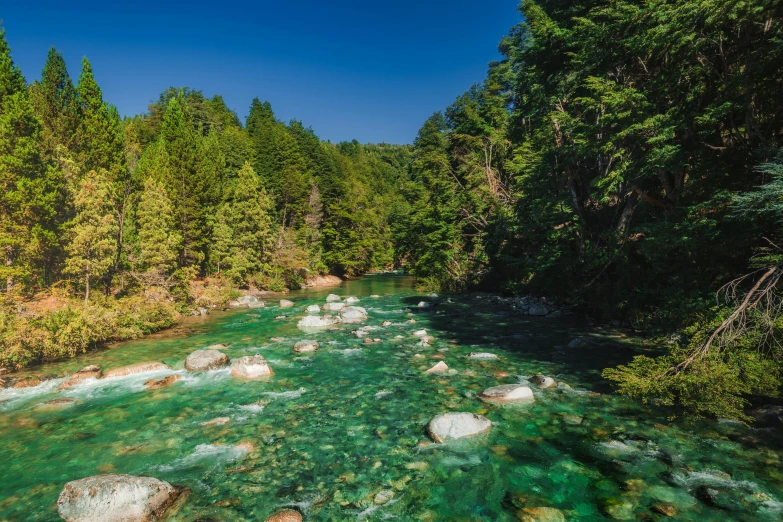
368 70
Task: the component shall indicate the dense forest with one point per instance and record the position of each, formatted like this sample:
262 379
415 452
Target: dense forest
128 213
623 157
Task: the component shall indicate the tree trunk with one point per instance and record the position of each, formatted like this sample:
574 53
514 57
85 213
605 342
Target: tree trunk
87 287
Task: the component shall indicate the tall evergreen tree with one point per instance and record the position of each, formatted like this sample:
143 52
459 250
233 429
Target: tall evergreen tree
93 245
56 104
100 135
11 79
159 242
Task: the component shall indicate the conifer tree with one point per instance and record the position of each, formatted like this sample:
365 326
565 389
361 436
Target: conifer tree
181 142
11 79
159 243
100 135
93 245
242 236
56 103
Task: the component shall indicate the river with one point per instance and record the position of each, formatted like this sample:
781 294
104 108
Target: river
335 427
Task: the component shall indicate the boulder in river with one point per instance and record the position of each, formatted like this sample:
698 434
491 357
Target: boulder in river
313 309
543 382
438 368
420 333
315 321
116 498
56 404
482 355
156 384
579 342
88 372
507 393
246 301
131 369
27 383
251 367
353 314
332 298
424 304
333 307
288 515
541 514
285 303
352 300
386 323
452 426
207 359
538 309
305 346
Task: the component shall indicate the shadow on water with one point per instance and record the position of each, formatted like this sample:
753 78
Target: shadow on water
481 320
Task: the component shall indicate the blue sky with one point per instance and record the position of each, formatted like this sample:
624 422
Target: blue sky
373 71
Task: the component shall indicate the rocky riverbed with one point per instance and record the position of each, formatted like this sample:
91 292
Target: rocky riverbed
399 406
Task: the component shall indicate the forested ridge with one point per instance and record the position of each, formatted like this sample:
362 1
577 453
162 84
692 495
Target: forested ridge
128 213
622 158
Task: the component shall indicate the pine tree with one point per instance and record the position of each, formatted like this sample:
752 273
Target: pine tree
242 236
93 245
159 243
100 135
56 103
11 79
181 142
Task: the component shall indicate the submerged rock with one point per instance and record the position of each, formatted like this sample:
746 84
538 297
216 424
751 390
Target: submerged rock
115 498
305 346
207 359
289 515
250 367
217 421
315 321
579 342
541 514
384 496
482 355
386 323
332 298
441 367
507 393
136 368
452 426
156 384
285 303
543 382
56 404
353 314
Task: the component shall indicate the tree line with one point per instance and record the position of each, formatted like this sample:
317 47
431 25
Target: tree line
623 156
92 201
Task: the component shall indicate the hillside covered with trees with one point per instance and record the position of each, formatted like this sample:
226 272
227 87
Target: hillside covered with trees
126 213
625 157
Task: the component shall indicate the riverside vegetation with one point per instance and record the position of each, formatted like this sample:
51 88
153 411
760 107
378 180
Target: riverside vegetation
622 159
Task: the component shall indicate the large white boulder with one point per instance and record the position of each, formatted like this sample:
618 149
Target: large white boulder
333 307
507 393
353 314
250 367
452 426
208 359
315 321
313 309
542 381
115 498
305 346
136 368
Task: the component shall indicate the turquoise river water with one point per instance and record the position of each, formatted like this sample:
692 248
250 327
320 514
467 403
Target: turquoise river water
334 427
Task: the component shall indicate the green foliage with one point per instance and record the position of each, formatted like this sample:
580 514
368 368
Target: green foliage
93 244
159 244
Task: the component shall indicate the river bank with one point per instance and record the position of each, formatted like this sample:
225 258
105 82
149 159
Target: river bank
337 428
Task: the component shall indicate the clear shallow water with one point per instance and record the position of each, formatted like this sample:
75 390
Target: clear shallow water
333 428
